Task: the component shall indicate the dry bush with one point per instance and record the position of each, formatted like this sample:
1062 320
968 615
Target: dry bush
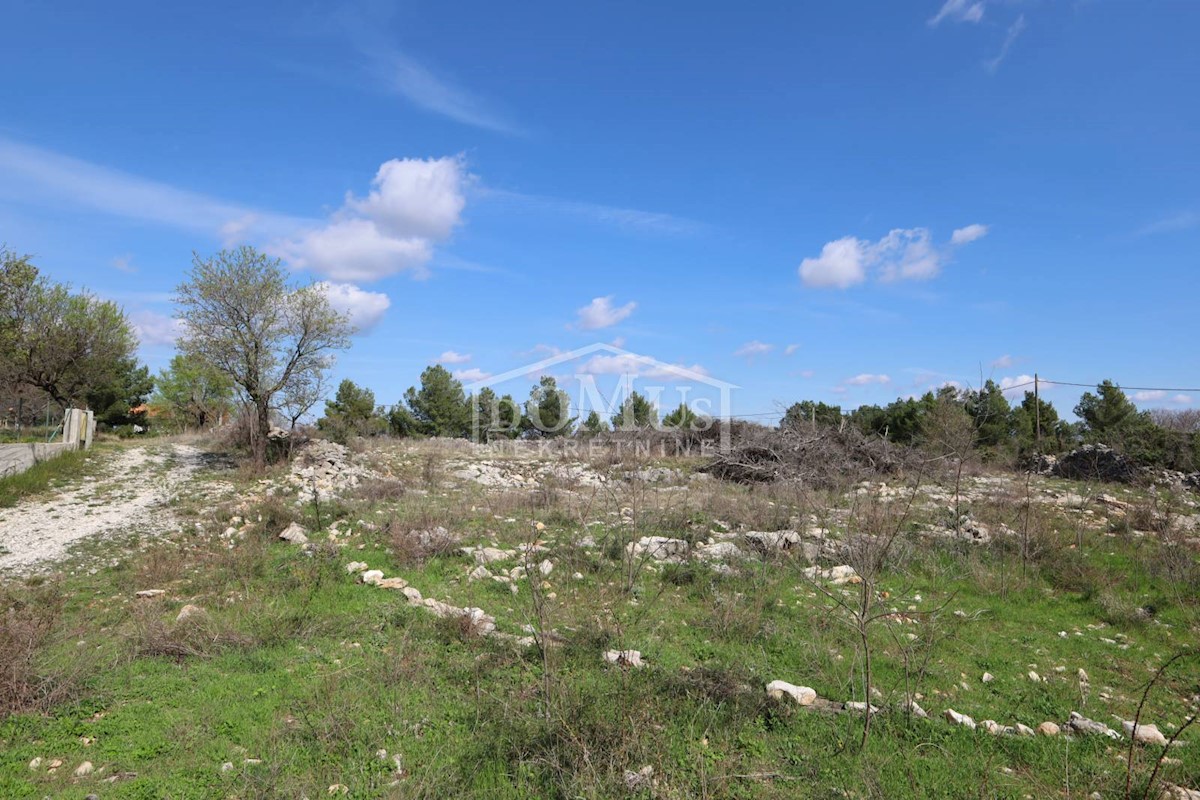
380 490
28 630
416 546
198 636
825 457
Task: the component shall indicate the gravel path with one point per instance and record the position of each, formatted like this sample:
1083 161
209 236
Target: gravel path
130 494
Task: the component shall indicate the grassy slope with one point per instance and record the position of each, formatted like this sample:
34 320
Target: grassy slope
311 673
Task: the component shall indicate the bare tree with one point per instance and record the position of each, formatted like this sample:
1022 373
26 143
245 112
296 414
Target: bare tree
241 315
950 432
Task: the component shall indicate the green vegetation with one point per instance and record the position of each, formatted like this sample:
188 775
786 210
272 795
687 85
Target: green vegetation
298 676
46 476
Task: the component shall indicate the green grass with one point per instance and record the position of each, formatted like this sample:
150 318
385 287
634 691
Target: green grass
44 476
312 673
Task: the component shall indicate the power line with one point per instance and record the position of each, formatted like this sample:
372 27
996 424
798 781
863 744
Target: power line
1119 386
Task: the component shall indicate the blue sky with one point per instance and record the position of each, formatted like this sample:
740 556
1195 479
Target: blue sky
841 201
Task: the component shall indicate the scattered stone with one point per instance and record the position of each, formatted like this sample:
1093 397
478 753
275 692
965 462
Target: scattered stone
395 584
189 611
718 551
1048 729
84 769
150 594
768 542
860 707
339 788
988 677
955 718
35 763
480 573
1025 730
641 780
838 576
659 548
294 533
1033 676
1145 734
357 566
227 766
1088 727
625 658
803 695
372 576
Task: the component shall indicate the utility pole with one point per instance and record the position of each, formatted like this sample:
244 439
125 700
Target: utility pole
1037 413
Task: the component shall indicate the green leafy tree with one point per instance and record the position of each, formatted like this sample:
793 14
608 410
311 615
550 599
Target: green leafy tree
593 425
114 404
991 414
350 413
494 417
635 413
243 317
683 418
63 343
1108 414
548 411
192 394
439 407
807 413
401 422
1024 425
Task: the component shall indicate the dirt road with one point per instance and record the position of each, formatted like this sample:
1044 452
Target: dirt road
130 494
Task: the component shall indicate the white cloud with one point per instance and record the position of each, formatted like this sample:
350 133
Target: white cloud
1014 30
1017 385
842 264
959 11
791 349
1003 362
600 313
1161 396
472 375
752 350
968 234
124 264
452 357
355 250
365 309
807 373
153 328
636 366
908 254
416 197
866 379
413 204
33 175
903 254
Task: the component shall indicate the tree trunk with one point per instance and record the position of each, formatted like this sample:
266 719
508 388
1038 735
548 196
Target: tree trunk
262 426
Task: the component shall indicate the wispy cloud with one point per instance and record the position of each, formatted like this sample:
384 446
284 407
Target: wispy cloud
365 309
791 349
1182 221
399 73
34 175
453 357
1014 31
958 11
601 313
124 264
1004 362
866 379
628 219
753 350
